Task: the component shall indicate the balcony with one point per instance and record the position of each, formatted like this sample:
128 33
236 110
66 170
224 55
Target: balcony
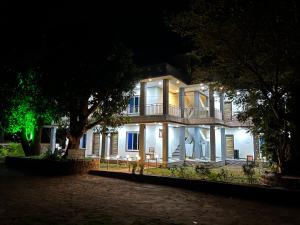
154 109
195 113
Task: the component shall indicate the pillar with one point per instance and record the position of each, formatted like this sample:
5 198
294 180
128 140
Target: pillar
107 145
103 145
182 142
142 98
196 149
196 143
222 105
212 144
53 139
223 144
256 147
165 144
211 100
166 97
142 142
181 101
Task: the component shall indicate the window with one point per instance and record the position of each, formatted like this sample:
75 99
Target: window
83 141
132 141
134 104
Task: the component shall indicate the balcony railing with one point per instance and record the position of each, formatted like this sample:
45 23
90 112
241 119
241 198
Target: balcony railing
174 110
154 109
133 110
218 114
195 113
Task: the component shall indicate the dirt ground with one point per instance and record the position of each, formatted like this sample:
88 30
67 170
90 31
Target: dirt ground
88 199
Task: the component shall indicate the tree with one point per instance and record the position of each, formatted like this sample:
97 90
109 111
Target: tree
28 110
90 90
251 47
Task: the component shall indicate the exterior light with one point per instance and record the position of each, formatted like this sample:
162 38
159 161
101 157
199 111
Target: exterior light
108 158
238 92
130 159
156 156
177 82
127 156
149 79
202 88
148 157
117 156
160 83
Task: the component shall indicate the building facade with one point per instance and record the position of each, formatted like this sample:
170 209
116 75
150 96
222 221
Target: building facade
171 121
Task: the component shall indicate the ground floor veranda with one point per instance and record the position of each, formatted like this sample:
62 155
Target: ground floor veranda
169 142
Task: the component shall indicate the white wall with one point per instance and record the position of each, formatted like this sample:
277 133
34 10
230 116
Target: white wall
154 95
243 141
122 140
173 139
218 144
153 140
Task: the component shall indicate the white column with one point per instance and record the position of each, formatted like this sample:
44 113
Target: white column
165 143
53 139
181 101
212 144
223 144
142 98
166 97
182 143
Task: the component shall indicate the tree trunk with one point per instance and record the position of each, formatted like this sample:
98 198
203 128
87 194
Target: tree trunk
1 135
32 147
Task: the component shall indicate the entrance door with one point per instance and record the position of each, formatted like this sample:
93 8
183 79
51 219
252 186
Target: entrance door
96 144
114 144
229 146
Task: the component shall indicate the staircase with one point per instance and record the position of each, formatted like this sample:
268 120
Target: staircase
176 153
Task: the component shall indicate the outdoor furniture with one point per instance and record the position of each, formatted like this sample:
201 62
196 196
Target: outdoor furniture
150 152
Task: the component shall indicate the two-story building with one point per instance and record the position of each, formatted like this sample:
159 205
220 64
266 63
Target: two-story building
172 121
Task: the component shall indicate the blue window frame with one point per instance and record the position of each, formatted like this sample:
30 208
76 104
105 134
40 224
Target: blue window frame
132 141
134 103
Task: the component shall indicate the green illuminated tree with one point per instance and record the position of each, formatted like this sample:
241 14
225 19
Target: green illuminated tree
252 47
29 110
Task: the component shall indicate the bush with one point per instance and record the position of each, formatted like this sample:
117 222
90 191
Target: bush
202 170
134 167
11 149
249 171
49 155
224 175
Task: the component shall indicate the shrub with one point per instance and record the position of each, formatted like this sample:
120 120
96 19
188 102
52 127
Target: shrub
134 167
49 155
202 170
224 175
249 171
11 149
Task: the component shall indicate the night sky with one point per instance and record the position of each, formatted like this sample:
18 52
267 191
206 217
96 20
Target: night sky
140 25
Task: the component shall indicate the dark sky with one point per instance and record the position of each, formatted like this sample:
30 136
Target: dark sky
138 24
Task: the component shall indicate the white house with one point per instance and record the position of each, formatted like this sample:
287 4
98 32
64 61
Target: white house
172 121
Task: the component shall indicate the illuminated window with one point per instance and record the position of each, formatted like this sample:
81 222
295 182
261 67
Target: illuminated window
132 141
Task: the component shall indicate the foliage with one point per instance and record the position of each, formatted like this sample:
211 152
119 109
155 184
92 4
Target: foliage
141 168
249 171
224 175
93 90
28 110
202 170
49 155
251 47
134 166
11 149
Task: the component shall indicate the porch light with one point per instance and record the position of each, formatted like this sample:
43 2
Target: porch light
160 83
202 88
149 79
177 82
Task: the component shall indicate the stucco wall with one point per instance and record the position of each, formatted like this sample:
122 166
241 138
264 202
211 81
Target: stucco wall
243 141
154 95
